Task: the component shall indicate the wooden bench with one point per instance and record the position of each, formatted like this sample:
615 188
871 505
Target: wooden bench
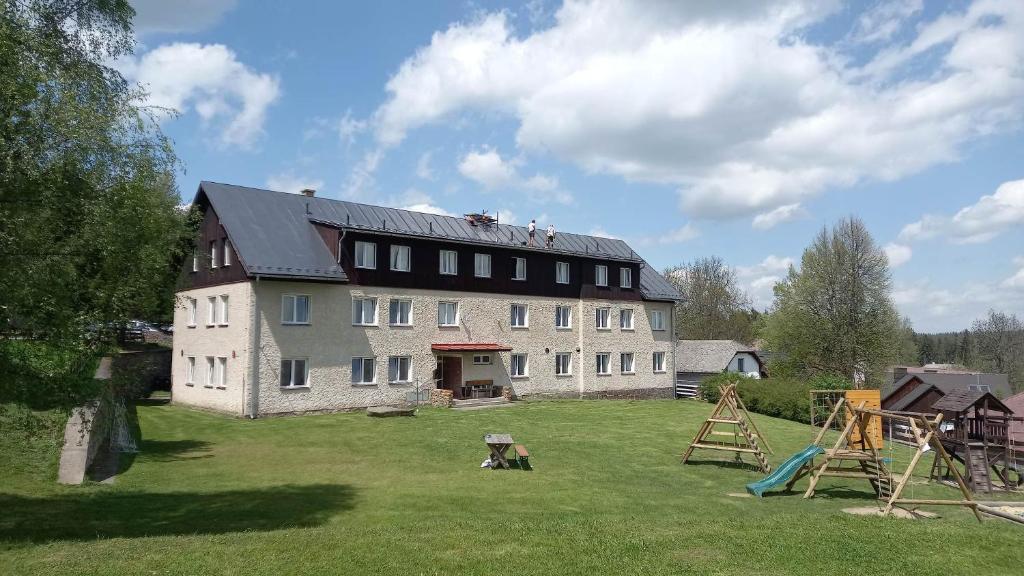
522 455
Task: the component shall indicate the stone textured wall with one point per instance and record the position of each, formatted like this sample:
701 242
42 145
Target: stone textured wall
231 341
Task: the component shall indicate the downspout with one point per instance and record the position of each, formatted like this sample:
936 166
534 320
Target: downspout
254 386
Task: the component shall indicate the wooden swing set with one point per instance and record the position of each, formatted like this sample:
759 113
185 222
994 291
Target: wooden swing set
745 437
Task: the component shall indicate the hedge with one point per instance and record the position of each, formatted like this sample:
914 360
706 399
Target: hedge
787 398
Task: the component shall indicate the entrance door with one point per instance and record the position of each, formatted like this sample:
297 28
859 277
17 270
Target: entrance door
449 374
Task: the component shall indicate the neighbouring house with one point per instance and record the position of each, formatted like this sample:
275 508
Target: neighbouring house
918 391
698 359
1016 404
295 303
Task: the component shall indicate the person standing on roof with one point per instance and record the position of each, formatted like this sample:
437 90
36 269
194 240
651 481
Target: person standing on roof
551 236
533 230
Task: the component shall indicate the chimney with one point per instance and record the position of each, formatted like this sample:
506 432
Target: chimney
308 192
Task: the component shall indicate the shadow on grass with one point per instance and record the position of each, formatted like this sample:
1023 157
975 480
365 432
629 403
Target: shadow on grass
141 514
165 451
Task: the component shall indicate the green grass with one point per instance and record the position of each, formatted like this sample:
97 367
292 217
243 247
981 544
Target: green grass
347 494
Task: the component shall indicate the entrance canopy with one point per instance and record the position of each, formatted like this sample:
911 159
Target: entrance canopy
470 347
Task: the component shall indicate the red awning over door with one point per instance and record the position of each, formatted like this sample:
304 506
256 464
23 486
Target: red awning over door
470 347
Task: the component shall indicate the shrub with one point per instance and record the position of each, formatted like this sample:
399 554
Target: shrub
787 398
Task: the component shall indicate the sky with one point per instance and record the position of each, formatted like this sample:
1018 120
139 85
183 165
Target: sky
688 128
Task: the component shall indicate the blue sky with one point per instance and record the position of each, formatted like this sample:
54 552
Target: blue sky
689 129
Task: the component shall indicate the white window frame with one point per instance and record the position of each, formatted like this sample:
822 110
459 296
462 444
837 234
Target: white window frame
625 277
658 359
740 363
623 356
193 307
363 361
195 260
442 257
523 364
361 301
222 310
305 374
213 253
567 324
190 370
396 258
482 359
602 313
295 308
481 261
366 255
657 320
395 363
221 372
394 320
606 363
211 371
626 313
211 310
522 319
517 263
560 277
563 363
455 320
600 275
226 247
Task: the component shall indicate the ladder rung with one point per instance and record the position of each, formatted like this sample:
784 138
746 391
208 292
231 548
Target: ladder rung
725 448
717 433
723 421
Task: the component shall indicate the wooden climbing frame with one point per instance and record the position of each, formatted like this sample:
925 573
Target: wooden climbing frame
745 437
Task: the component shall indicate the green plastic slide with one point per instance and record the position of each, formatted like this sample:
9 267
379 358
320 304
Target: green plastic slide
784 471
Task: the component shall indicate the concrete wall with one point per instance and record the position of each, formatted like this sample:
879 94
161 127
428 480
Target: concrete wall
231 341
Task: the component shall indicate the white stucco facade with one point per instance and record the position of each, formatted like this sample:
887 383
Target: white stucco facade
744 362
329 342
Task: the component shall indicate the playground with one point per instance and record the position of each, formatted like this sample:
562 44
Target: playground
345 493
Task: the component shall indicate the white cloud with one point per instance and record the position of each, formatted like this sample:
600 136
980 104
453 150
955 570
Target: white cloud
980 222
940 308
773 218
417 201
601 233
898 254
487 168
730 101
680 235
885 19
1017 280
759 280
290 182
178 16
207 78
423 169
349 128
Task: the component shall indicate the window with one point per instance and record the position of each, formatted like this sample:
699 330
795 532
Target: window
447 314
211 311
400 313
294 373
626 362
601 275
192 305
294 309
190 370
979 387
222 310
739 364
362 370
563 364
227 252
603 363
364 311
520 318
657 320
519 367
563 317
602 318
366 255
481 359
213 253
449 262
211 371
626 319
400 258
658 361
625 278
221 372
195 261
399 369
519 267
562 272
482 265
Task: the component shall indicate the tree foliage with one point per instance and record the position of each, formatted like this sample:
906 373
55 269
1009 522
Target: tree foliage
89 227
834 315
1000 346
714 307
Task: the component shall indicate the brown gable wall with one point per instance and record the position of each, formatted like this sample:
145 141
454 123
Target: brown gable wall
211 230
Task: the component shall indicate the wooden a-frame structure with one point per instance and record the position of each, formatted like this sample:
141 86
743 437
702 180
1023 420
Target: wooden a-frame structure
869 464
746 438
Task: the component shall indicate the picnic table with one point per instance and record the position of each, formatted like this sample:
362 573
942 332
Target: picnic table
499 444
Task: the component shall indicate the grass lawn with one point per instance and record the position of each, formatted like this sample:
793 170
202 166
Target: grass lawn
344 493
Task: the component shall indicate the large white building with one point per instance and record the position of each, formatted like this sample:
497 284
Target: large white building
294 303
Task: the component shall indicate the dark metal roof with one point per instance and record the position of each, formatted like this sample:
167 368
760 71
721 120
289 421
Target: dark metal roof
908 400
272 233
945 382
963 400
